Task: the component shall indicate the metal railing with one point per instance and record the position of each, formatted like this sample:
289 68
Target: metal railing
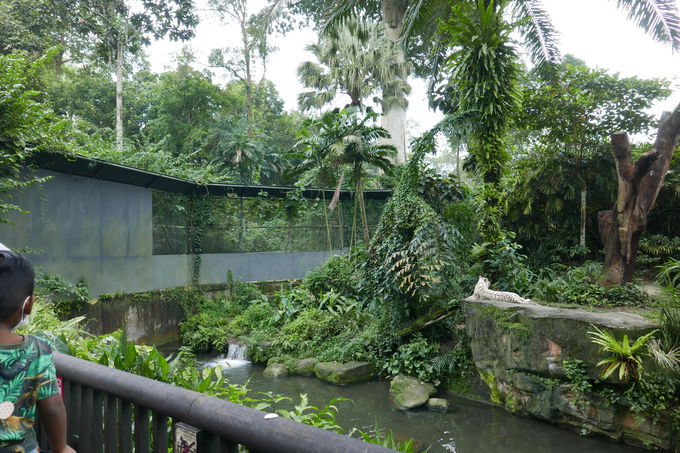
111 411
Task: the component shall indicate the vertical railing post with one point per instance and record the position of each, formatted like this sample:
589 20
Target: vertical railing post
111 425
125 427
160 433
142 440
87 411
75 412
98 421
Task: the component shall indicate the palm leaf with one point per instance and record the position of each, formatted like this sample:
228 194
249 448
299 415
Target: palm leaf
659 18
423 17
345 9
540 37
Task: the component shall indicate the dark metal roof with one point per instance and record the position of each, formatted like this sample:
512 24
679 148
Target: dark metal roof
109 171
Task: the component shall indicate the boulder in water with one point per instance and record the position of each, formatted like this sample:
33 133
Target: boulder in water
438 404
274 360
276 370
305 367
344 373
408 392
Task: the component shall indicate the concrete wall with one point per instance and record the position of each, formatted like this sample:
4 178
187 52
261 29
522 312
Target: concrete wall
101 232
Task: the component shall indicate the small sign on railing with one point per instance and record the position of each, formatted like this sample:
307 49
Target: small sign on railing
186 438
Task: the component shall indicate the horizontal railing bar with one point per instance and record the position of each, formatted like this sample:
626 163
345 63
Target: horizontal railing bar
228 420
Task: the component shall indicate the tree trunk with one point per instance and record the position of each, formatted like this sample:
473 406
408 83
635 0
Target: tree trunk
362 206
119 95
639 185
247 58
59 62
584 205
325 218
394 119
336 194
458 169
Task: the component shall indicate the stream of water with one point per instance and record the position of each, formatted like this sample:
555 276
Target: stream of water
468 427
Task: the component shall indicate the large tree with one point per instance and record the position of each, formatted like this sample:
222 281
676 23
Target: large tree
485 73
240 61
416 23
346 139
27 125
118 29
355 60
568 112
639 184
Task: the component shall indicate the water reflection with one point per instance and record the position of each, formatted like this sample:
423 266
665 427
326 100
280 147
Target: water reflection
468 427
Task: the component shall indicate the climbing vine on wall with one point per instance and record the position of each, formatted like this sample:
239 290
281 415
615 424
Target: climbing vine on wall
198 218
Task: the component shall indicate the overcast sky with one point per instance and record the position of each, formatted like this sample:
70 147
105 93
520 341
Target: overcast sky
592 30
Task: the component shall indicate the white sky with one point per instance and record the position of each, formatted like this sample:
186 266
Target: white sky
592 30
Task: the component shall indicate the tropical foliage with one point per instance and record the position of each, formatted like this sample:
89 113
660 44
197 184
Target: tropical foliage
626 356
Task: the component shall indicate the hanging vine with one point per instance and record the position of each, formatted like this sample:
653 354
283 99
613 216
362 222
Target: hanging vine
198 219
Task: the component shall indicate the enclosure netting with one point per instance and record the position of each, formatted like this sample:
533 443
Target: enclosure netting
225 224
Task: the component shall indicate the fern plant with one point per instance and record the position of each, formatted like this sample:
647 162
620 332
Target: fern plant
669 276
626 357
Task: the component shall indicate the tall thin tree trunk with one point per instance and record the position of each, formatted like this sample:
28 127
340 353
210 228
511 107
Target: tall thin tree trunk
119 94
582 236
639 185
247 58
458 169
359 191
394 119
353 238
341 227
336 194
325 218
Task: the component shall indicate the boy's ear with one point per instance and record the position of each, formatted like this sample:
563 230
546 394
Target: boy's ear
29 304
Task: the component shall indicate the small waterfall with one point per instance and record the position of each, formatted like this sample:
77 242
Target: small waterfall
235 357
237 352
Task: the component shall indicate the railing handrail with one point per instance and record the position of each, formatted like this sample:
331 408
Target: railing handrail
228 420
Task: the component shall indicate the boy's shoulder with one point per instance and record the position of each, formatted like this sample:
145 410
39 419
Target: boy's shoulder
41 344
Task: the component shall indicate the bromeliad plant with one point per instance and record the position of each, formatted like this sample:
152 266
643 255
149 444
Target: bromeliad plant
626 357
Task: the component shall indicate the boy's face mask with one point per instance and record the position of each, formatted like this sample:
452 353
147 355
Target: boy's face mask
25 319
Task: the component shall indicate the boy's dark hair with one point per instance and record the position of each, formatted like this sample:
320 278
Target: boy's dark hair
17 281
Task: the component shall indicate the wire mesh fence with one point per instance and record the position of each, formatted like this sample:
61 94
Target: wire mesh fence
224 224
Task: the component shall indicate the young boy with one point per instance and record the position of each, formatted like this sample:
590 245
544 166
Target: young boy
27 374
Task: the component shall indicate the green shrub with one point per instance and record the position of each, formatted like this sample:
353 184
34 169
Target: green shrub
577 285
204 332
257 316
241 293
68 299
415 358
503 264
334 275
577 375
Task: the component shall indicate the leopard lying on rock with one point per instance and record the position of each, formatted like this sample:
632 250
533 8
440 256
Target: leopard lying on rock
482 292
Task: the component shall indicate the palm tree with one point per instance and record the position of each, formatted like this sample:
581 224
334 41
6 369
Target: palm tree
485 72
252 160
659 18
355 60
340 140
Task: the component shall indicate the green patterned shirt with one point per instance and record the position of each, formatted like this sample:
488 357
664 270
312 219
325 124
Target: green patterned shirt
26 375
